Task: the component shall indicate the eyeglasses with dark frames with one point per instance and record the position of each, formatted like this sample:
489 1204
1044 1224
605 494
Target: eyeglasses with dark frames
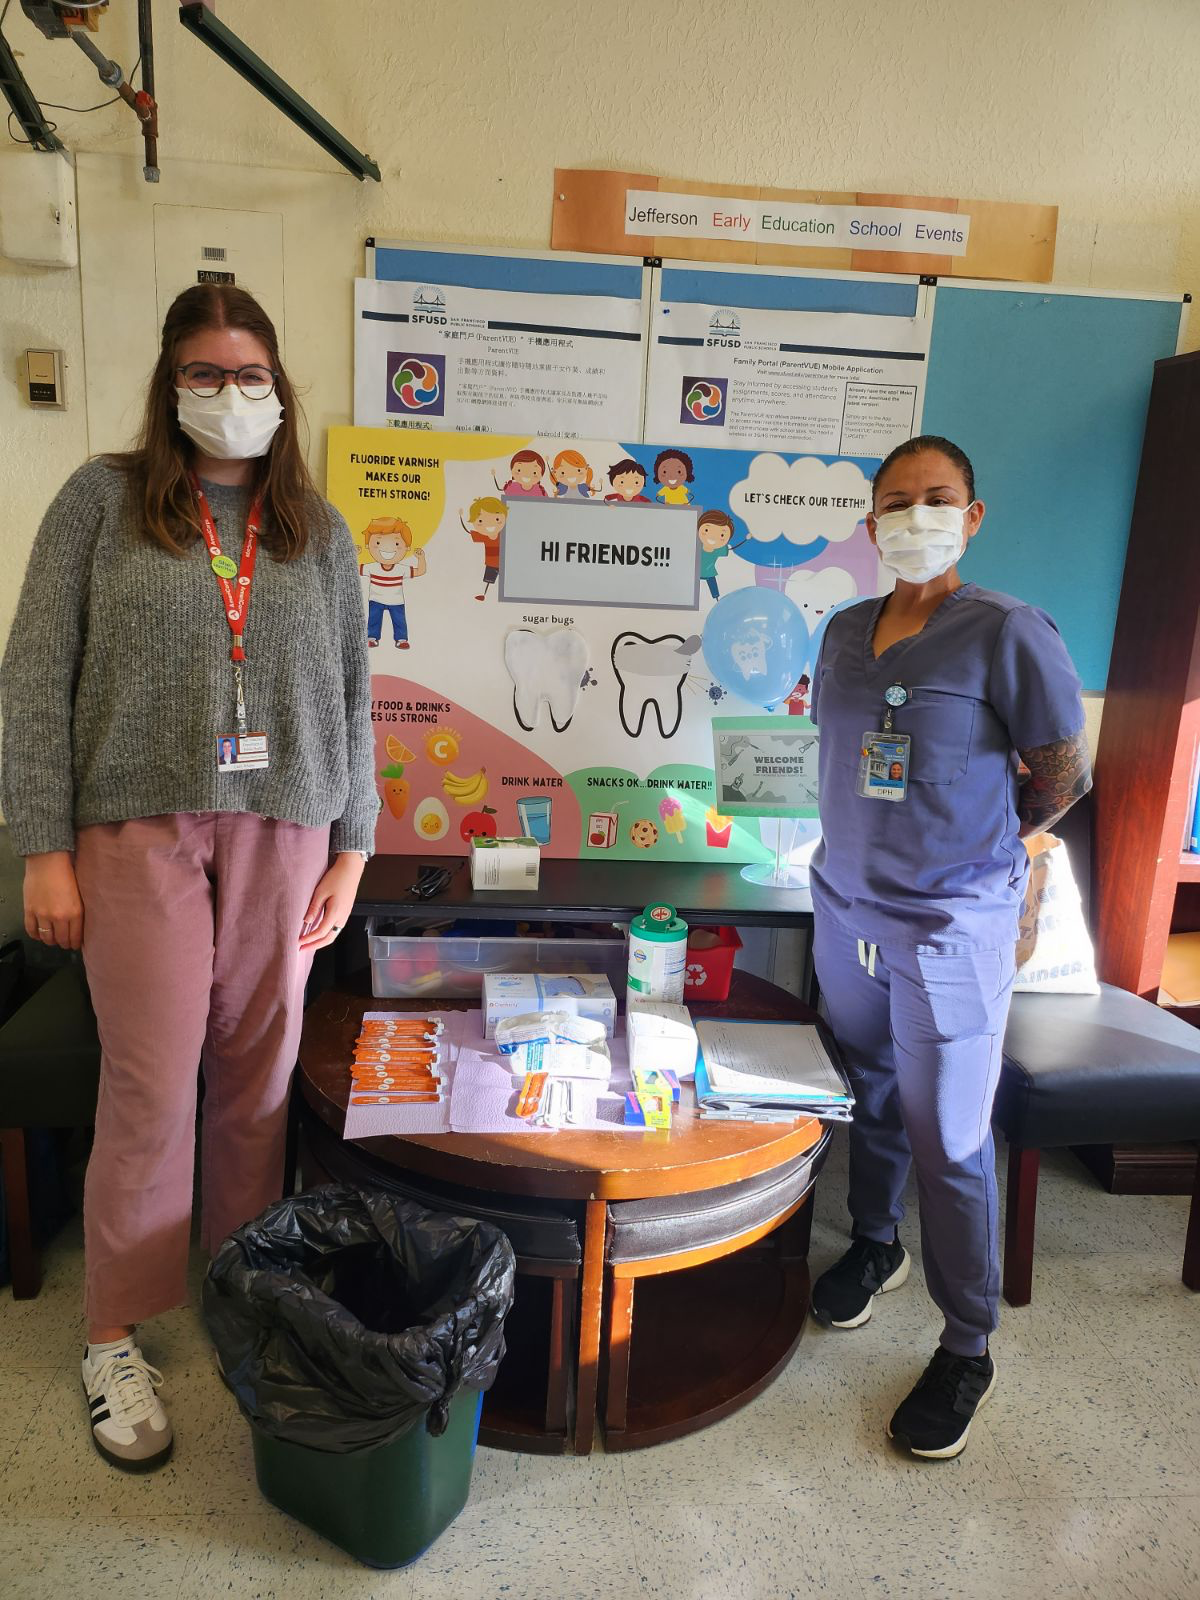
206 380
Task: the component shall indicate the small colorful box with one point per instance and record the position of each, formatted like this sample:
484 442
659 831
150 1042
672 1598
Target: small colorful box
655 1082
602 830
647 1110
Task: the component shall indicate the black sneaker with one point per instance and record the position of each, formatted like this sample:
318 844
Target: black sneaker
936 1418
842 1297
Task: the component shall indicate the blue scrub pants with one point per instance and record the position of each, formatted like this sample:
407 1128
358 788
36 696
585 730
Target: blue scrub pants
922 1034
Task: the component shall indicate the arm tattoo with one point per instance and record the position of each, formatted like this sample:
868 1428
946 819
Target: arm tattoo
1059 774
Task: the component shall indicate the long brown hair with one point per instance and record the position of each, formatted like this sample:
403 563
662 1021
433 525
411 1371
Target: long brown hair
159 461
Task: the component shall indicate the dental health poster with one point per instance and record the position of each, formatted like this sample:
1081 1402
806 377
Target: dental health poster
536 611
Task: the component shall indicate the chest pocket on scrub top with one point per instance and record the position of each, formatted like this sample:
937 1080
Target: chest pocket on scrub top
941 726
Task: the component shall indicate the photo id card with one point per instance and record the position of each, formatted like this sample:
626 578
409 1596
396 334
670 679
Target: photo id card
883 766
242 752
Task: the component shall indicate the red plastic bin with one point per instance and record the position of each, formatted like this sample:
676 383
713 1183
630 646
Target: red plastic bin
709 967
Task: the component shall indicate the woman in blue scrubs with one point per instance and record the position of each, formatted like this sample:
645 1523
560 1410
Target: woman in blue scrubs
930 702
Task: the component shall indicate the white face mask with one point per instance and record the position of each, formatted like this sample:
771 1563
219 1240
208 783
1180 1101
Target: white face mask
920 543
227 425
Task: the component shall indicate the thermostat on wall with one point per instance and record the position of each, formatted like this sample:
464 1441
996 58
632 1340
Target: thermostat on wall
44 379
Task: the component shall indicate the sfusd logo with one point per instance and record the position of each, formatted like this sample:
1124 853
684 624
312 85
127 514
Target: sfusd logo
724 330
429 304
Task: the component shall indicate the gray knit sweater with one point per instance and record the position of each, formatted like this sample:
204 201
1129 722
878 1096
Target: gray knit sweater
117 682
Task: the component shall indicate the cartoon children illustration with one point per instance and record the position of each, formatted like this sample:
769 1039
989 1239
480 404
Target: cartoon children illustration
389 543
525 473
628 480
715 533
673 472
485 525
572 476
797 701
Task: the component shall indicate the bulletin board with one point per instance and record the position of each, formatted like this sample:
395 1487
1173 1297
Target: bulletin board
569 695
1046 390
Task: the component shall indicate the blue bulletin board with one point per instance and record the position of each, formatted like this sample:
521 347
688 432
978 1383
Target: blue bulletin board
1047 391
1045 388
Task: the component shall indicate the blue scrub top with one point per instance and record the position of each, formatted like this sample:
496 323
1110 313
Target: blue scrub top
944 868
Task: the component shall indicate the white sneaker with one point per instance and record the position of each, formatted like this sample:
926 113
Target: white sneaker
130 1429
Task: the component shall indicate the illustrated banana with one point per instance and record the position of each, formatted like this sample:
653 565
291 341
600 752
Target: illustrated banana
470 791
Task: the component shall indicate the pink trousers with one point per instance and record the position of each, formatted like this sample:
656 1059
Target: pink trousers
191 943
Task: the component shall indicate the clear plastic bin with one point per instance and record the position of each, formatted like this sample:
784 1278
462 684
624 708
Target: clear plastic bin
408 967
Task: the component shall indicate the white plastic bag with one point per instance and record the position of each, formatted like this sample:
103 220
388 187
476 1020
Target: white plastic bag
1054 947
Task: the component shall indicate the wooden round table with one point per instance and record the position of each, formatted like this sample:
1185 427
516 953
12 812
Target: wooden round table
715 1333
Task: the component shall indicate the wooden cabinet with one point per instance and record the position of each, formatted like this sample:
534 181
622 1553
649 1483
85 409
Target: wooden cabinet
1150 733
1144 886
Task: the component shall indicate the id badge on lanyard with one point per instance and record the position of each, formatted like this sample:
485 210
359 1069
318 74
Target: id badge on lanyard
885 755
242 750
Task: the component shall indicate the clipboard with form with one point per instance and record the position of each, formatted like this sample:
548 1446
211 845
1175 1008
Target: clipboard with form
768 1071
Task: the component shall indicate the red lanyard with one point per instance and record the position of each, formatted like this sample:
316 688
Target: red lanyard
236 595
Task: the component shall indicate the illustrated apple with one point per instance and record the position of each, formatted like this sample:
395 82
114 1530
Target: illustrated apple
478 825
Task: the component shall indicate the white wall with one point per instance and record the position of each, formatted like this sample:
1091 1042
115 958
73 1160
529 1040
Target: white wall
1088 103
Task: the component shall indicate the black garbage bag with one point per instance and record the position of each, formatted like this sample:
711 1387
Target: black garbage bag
343 1317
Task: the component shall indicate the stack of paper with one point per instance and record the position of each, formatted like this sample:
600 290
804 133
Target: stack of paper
768 1072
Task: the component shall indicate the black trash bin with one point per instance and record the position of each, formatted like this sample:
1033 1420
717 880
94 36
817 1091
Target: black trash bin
358 1333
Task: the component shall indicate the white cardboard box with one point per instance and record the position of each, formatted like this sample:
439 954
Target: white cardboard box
660 1037
512 994
505 863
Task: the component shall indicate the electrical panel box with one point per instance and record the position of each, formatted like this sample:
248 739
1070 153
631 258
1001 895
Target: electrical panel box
37 209
44 379
206 244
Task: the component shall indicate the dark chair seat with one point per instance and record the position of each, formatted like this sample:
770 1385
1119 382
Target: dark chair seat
49 1078
1097 1069
643 1230
50 1057
1109 1068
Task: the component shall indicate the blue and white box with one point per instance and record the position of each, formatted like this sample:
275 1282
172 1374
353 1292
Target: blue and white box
512 994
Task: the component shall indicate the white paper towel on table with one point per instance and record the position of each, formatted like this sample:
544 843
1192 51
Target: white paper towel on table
483 1093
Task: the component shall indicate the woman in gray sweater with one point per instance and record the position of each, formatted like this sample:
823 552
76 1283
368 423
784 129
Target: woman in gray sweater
188 771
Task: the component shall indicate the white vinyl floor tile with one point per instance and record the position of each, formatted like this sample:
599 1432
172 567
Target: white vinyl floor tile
1081 1478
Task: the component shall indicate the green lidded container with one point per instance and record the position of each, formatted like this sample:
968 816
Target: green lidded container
385 1507
657 954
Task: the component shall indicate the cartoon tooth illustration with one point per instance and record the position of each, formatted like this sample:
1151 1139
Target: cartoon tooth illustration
661 667
819 595
545 668
750 655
